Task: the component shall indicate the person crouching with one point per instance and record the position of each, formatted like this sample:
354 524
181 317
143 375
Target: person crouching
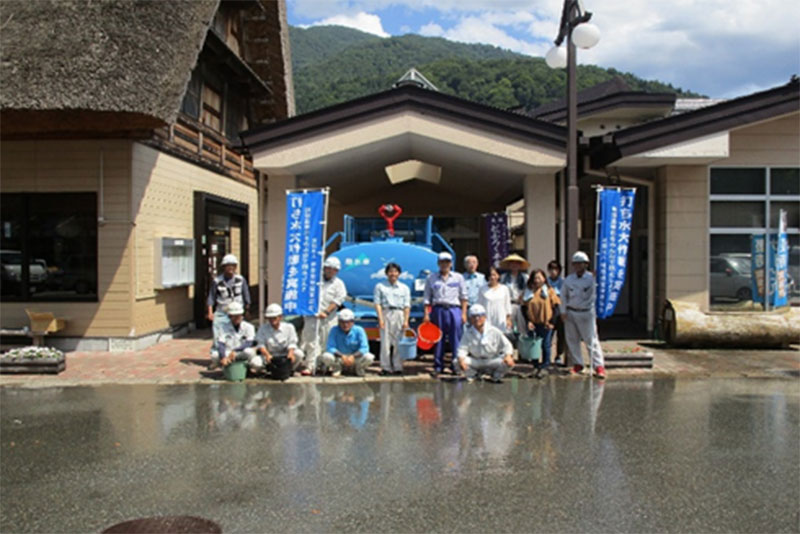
484 349
276 346
235 339
348 347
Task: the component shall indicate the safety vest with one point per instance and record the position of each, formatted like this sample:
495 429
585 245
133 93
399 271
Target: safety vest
227 294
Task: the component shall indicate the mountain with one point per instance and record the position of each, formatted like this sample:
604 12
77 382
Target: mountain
333 64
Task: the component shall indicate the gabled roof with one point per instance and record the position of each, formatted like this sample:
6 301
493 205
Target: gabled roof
131 57
615 93
729 114
408 98
415 77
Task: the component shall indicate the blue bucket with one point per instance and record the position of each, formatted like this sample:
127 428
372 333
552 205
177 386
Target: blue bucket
407 346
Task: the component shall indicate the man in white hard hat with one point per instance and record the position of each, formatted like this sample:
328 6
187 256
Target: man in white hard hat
484 349
446 294
316 327
235 340
577 311
347 348
275 339
226 288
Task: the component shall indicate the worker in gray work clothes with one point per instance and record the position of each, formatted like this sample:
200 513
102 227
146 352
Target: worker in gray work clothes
275 339
580 323
227 288
317 327
236 339
484 349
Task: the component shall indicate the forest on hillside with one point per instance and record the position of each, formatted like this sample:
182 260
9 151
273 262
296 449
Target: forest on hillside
333 64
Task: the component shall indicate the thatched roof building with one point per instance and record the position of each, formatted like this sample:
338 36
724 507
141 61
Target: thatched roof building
118 65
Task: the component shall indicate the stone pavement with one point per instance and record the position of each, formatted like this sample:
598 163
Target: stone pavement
184 361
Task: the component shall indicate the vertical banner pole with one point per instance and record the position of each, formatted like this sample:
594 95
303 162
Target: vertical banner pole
326 194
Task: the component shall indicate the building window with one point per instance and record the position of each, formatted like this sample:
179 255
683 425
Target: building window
745 201
191 100
212 108
235 115
49 246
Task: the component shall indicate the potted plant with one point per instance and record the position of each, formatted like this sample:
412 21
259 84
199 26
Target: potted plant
32 360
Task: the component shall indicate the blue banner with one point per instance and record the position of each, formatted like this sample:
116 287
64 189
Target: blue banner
305 241
778 294
615 217
496 236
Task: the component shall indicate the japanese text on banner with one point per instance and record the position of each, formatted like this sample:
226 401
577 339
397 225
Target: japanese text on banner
496 236
615 214
303 254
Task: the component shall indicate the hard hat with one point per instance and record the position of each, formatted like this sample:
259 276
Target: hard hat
229 259
346 315
445 256
476 309
333 263
580 257
273 310
234 308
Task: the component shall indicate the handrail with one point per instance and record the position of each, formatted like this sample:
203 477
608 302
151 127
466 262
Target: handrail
446 245
332 239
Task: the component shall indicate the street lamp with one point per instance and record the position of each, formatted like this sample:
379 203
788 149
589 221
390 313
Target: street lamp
577 30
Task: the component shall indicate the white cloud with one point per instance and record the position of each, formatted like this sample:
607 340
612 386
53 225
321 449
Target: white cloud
719 47
431 30
326 8
481 30
366 22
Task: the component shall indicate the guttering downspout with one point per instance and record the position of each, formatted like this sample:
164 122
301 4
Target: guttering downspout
101 218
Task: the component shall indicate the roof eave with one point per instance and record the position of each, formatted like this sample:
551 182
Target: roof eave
406 98
712 119
615 101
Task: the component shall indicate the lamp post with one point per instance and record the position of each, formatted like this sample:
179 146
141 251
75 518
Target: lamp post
577 30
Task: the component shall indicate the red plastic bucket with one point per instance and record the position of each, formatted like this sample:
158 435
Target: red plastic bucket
428 335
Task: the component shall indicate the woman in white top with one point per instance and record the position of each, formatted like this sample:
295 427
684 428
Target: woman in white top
496 298
516 279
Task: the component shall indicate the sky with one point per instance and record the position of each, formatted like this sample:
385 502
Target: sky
720 48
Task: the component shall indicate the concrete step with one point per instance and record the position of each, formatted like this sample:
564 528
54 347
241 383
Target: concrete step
629 359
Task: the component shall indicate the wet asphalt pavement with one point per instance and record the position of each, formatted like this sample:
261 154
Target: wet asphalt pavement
564 455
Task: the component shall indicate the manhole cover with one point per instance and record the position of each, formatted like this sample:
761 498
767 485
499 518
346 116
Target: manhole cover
172 524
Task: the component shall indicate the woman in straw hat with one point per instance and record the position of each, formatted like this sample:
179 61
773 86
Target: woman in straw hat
516 279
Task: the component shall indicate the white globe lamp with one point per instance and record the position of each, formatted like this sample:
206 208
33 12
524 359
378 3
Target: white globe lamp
556 58
585 35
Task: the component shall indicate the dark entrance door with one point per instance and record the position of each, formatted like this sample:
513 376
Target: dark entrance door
220 228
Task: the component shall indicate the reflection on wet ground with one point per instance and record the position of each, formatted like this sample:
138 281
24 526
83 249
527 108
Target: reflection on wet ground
401 456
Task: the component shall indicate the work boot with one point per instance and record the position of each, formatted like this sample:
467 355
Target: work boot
600 372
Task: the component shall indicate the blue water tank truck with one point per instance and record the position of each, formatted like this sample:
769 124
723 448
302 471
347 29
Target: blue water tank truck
367 244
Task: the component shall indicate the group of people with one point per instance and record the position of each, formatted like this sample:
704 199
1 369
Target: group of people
509 305
479 317
275 348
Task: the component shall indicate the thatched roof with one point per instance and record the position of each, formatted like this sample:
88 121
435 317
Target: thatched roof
118 56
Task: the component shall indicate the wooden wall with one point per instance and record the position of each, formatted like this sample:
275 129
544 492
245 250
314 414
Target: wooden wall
163 190
74 166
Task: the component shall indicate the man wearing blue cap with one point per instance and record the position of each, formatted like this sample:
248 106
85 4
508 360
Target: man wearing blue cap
446 294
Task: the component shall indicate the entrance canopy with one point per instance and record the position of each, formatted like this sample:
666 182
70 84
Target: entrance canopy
478 152
431 153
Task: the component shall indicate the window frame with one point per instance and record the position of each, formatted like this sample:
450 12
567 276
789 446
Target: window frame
26 197
767 198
